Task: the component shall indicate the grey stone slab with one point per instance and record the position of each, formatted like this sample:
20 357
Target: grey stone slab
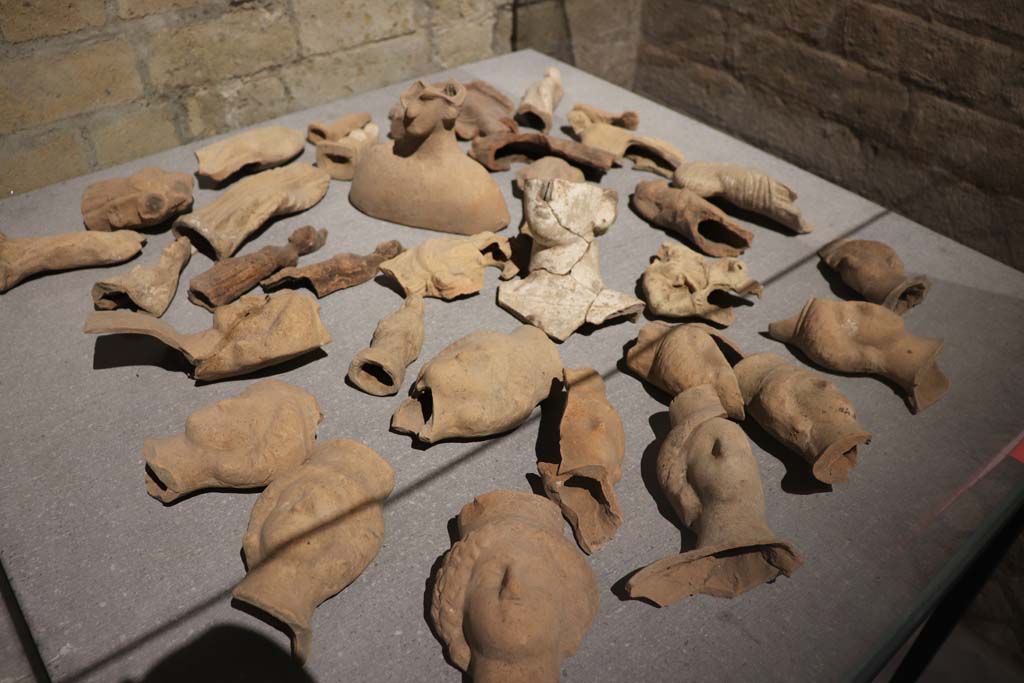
116 587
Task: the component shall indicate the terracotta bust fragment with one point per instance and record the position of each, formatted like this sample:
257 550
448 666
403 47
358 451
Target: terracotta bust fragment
336 130
450 267
859 336
340 157
591 446
26 256
546 168
804 412
253 150
646 153
338 272
513 597
312 532
541 99
692 217
241 442
150 288
876 272
706 469
498 152
423 179
455 395
486 111
379 369
143 199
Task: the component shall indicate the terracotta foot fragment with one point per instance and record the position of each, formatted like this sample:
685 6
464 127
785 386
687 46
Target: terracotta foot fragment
253 150
541 99
875 271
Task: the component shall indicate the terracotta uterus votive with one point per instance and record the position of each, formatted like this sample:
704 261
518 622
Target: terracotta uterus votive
875 271
145 198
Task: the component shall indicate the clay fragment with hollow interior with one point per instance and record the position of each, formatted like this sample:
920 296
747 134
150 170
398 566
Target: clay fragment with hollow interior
149 288
646 153
486 111
450 267
876 272
498 152
692 217
340 157
252 150
146 198
537 107
546 168
336 130
708 472
341 271
241 442
379 369
23 257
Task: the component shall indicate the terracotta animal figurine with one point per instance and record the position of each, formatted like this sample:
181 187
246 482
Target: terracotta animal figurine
707 471
541 99
450 267
498 152
692 217
457 395
252 333
145 198
379 369
564 289
546 168
26 256
804 412
858 336
423 179
680 283
646 153
336 130
875 271
253 150
338 272
340 157
150 288
746 188
591 447
312 532
513 597
241 442
486 111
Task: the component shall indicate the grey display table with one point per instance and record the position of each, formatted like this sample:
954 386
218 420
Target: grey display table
115 586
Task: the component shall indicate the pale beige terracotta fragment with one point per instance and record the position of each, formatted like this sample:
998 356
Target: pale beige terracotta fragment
336 130
513 597
312 532
338 272
340 157
150 288
862 337
379 369
253 150
23 257
486 111
876 272
804 412
450 267
541 99
244 207
498 152
254 332
646 153
141 200
706 469
629 120
692 217
241 442
546 168
591 447
680 283
483 384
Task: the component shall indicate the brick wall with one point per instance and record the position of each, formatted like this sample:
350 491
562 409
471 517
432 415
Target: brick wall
917 104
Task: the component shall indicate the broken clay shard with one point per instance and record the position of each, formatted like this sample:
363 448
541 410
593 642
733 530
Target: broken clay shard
338 272
318 131
379 369
675 358
591 446
513 597
241 442
537 108
254 332
546 168
253 150
26 256
681 283
150 288
746 188
588 114
804 412
143 199
646 153
483 384
692 217
486 111
423 179
245 206
229 279
449 267
497 152
321 521
706 469
875 271
862 337
340 157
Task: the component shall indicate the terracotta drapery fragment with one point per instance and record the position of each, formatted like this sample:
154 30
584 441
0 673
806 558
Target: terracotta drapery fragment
340 157
876 272
450 267
486 111
338 272
379 369
23 257
646 153
537 107
692 217
497 152
150 288
318 131
144 199
546 168
252 150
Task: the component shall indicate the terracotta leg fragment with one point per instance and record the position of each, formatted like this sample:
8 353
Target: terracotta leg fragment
379 369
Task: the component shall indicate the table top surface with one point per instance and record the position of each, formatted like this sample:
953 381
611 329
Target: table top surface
116 586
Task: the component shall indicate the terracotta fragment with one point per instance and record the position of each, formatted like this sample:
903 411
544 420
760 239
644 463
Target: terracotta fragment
708 472
450 267
546 168
229 279
564 289
143 199
254 332
242 442
23 257
150 288
244 207
379 369
336 130
876 272
646 153
312 532
862 337
746 188
497 152
675 358
680 283
423 178
513 597
804 412
537 108
253 150
693 218
341 271
340 157
486 111
591 445
457 395
627 119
